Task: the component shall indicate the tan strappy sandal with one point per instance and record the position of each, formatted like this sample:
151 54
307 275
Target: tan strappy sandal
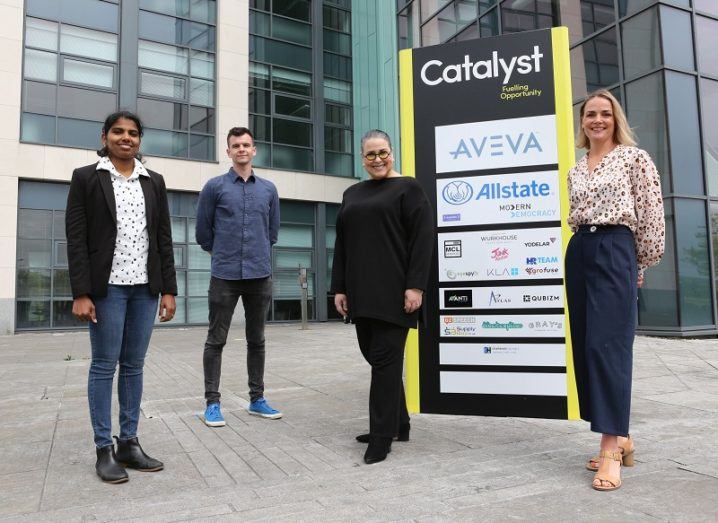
615 481
627 451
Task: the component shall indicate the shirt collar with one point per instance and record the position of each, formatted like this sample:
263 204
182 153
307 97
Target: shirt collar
234 176
107 165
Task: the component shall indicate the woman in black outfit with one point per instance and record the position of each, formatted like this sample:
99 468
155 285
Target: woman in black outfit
382 255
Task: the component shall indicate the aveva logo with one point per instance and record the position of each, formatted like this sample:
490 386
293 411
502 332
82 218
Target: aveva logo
497 145
434 72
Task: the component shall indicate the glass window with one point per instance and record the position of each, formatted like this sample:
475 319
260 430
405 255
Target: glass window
641 46
469 33
429 7
291 81
286 29
647 116
198 310
296 212
489 24
201 92
201 36
33 283
40 65
88 73
286 157
264 156
204 11
338 114
89 43
37 128
201 147
261 127
34 224
337 42
33 314
260 101
197 258
626 7
34 253
39 97
677 38
292 133
299 9
174 8
259 75
525 15
85 104
162 28
280 53
706 45
339 164
338 66
41 34
286 285
440 28
179 229
78 133
61 286
201 119
657 299
709 102
292 259
337 91
162 85
296 236
164 143
337 19
260 23
693 264
296 107
682 104
596 14
90 13
162 57
202 64
336 139
594 64
163 115
408 27
198 283
707 6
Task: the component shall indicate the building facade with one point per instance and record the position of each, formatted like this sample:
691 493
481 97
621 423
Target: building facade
309 77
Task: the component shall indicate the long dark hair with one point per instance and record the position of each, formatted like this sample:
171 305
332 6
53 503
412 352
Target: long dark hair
111 120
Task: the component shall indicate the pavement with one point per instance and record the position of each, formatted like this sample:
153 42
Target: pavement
308 467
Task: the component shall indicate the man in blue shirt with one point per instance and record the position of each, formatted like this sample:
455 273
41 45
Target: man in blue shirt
237 223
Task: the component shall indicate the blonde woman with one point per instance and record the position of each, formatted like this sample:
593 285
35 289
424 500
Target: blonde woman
616 213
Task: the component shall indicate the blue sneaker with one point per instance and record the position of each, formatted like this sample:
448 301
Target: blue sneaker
213 416
262 408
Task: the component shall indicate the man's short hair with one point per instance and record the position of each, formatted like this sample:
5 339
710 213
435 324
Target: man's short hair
239 131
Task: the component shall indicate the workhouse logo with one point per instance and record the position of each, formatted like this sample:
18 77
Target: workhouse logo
434 72
496 144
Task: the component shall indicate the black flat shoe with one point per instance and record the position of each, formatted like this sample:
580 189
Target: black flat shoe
377 450
107 467
402 435
131 455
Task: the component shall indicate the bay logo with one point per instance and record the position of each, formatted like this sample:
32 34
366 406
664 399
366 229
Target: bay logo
498 144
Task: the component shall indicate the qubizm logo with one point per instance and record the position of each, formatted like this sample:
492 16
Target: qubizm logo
457 192
498 145
433 72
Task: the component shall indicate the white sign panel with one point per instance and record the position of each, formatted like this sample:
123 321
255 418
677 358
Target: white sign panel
502 198
524 297
522 254
512 383
505 354
496 144
502 326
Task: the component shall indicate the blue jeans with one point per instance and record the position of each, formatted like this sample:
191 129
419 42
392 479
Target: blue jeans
122 333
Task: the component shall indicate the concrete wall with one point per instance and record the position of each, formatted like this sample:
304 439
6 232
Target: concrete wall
20 160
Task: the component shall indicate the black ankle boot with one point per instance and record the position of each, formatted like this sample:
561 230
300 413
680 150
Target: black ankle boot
377 450
402 435
131 455
107 467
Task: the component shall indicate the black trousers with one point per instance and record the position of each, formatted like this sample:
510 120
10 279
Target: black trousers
601 276
382 345
223 297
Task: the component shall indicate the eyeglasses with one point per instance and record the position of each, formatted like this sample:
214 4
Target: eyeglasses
382 155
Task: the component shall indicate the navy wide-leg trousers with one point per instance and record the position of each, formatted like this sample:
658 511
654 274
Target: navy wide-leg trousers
601 275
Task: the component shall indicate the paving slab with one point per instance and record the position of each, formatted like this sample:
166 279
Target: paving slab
307 465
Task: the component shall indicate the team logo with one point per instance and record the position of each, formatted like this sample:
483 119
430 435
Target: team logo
457 192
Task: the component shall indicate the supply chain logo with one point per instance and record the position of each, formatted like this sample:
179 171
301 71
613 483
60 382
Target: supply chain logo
434 72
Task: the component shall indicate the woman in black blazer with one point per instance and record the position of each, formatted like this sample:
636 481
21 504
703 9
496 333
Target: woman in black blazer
120 257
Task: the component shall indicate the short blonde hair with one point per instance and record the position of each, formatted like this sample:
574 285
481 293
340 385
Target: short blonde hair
622 133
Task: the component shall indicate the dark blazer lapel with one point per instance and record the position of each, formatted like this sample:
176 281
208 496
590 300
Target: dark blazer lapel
146 184
106 184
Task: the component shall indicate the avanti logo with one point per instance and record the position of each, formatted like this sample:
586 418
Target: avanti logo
433 72
457 192
518 144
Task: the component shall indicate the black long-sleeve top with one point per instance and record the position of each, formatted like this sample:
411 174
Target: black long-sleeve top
384 243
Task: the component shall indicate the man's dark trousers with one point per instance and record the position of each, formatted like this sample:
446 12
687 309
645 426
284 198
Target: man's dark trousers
223 296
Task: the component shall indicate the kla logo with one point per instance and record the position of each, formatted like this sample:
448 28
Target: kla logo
498 144
433 74
457 192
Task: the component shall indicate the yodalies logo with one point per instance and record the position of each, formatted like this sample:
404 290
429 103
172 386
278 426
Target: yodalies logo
457 192
498 145
452 248
458 298
434 72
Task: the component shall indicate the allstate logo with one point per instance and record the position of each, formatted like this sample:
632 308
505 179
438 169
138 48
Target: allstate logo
457 193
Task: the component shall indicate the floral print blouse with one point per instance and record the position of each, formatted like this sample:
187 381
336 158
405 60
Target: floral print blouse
623 189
